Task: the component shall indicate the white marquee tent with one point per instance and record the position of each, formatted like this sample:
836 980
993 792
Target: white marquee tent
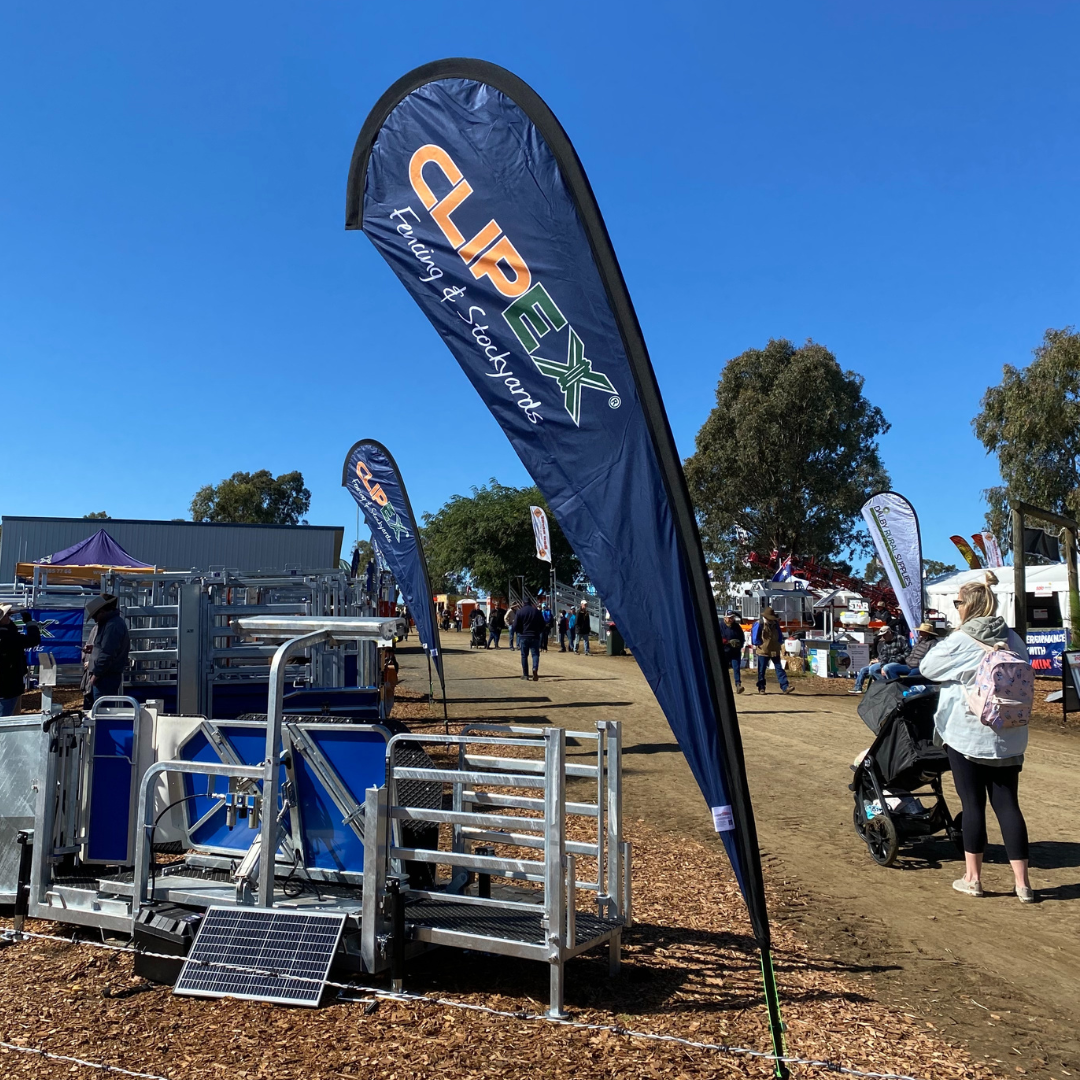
1041 580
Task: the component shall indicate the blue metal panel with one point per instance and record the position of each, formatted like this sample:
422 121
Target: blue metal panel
144 692
234 699
357 703
248 742
111 777
358 756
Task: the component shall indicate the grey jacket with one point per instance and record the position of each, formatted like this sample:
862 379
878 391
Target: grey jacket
953 663
110 652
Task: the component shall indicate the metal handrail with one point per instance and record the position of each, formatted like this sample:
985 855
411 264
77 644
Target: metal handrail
146 807
109 700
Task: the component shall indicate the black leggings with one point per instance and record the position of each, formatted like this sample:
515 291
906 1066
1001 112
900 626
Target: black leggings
973 783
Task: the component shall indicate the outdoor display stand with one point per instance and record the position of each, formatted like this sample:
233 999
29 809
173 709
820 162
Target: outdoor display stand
351 813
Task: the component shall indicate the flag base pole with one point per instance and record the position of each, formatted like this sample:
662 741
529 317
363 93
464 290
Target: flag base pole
772 1004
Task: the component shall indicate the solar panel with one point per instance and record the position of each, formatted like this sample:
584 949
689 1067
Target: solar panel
291 952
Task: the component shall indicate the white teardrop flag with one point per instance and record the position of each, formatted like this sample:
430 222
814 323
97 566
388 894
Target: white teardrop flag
541 533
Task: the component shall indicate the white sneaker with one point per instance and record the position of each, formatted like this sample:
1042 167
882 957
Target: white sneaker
1027 895
969 888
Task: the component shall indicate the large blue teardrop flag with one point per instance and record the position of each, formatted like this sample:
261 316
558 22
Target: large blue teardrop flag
468 186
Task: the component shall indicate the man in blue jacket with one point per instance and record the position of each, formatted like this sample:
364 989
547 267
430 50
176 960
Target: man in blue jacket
734 639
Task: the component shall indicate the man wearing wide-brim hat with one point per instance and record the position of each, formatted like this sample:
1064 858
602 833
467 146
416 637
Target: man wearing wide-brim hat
13 645
106 649
926 640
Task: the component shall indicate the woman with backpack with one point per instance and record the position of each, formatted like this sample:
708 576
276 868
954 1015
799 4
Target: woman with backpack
987 688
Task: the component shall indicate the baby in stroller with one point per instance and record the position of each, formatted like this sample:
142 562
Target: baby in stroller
901 763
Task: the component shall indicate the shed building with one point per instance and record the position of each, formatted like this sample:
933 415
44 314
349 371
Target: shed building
176 545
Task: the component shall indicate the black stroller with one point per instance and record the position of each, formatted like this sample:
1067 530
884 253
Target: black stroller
902 760
478 640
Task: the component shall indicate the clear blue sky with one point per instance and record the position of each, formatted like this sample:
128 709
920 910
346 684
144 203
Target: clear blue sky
179 299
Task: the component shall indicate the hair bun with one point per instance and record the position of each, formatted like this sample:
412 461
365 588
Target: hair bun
991 578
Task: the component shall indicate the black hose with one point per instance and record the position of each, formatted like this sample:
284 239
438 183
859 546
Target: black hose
153 830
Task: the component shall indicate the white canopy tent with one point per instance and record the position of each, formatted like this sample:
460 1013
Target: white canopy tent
1046 580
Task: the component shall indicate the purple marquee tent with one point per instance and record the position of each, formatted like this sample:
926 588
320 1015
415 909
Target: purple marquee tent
97 550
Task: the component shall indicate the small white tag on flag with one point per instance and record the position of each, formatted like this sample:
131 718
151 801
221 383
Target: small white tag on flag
723 819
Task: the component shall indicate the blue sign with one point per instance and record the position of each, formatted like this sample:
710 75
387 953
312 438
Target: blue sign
61 634
470 189
1045 649
373 480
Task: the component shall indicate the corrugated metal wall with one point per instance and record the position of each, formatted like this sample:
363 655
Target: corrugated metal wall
176 545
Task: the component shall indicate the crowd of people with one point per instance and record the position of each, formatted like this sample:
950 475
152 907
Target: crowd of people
530 629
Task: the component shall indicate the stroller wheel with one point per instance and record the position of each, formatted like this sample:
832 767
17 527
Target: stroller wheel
860 820
882 840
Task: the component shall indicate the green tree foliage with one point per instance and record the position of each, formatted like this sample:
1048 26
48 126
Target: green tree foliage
934 568
98 515
1031 421
367 552
786 459
256 498
487 538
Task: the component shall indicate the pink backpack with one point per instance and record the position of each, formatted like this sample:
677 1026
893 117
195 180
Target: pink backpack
1004 688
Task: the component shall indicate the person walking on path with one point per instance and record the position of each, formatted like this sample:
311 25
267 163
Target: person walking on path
529 627
986 761
109 653
584 625
564 630
768 637
496 625
510 616
571 632
734 639
13 643
545 611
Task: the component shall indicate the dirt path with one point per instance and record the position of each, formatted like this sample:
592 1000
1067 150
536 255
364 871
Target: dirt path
1000 975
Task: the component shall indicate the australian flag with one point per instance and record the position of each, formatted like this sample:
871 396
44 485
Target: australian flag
784 572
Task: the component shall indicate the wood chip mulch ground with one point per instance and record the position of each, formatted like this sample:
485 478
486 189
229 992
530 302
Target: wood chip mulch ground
690 970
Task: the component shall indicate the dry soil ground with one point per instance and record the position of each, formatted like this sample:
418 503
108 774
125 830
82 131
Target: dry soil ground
1000 976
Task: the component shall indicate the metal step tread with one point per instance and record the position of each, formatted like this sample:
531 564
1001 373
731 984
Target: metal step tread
509 925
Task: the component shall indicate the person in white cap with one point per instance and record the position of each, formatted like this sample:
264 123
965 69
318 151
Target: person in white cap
13 643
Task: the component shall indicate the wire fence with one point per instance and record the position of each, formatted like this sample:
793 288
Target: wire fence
377 993
99 1065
